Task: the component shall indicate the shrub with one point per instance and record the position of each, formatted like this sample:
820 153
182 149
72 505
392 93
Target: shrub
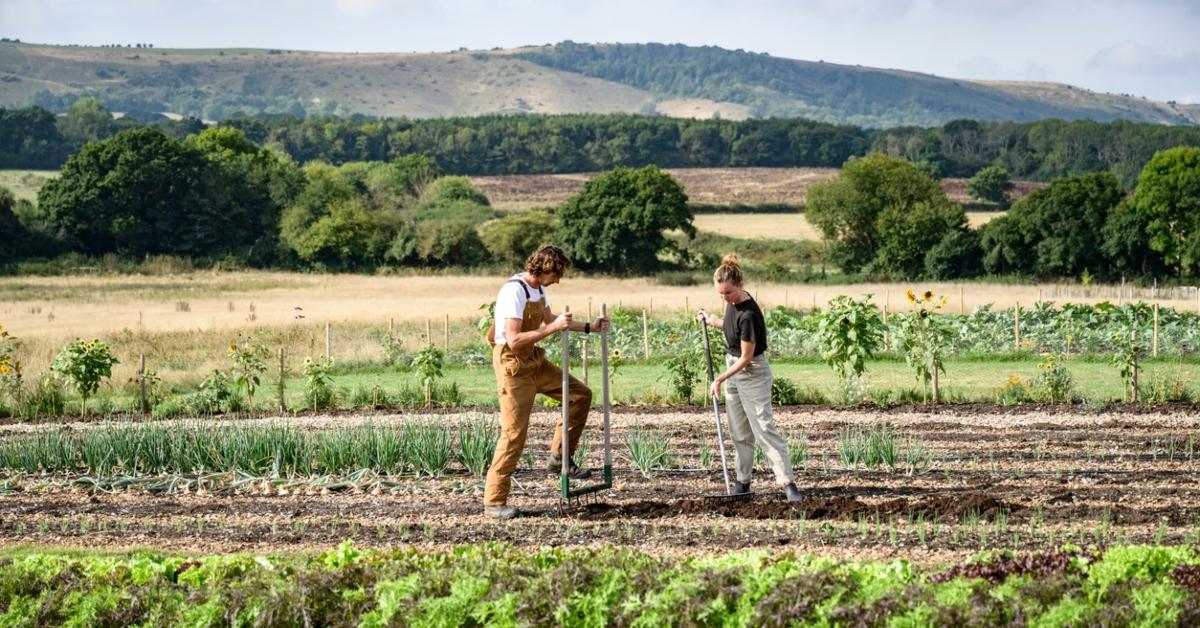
1053 383
991 184
449 242
452 189
784 392
512 238
617 224
213 395
957 254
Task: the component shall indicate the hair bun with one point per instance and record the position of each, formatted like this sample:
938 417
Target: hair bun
731 260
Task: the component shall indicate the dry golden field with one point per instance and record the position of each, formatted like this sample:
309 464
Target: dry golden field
785 226
185 321
24 184
713 186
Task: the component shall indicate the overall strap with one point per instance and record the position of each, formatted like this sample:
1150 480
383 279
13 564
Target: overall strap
525 287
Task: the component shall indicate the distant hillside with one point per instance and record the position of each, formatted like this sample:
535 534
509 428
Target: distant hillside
875 97
675 80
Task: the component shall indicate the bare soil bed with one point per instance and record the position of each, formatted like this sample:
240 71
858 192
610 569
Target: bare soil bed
1027 479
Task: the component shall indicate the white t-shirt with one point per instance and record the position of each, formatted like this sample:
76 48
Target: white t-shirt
510 303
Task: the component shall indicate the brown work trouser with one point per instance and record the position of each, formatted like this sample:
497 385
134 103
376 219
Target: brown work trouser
518 380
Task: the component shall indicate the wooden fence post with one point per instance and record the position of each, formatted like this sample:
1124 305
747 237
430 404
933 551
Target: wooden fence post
446 336
935 383
1155 343
1134 391
645 335
1017 328
962 303
142 383
282 403
885 327
429 332
327 341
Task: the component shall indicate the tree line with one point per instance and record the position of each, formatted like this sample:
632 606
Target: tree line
886 217
217 196
533 144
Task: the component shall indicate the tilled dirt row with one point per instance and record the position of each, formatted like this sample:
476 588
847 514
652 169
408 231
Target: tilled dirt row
1035 485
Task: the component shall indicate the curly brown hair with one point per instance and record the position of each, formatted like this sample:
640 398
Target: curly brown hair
730 271
547 259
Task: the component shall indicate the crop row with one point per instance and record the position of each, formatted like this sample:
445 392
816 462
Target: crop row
425 446
499 585
422 446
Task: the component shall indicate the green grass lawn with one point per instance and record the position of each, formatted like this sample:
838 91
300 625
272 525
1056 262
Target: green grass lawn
964 379
889 381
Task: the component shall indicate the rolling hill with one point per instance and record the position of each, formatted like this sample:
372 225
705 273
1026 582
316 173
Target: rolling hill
675 80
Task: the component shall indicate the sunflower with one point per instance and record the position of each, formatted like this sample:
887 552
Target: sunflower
928 295
233 347
4 368
912 298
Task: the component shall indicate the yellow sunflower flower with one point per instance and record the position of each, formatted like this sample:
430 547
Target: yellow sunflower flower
928 295
912 298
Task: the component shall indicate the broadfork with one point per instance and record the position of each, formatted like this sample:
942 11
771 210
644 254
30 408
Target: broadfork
576 497
729 494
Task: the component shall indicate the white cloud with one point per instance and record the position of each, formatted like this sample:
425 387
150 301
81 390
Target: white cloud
979 68
358 7
1134 58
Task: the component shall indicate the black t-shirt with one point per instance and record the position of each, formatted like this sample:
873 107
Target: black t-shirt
745 321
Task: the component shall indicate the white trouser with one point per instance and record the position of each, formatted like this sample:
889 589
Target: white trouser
748 404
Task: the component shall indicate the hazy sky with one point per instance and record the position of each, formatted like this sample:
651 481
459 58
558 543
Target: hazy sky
1143 47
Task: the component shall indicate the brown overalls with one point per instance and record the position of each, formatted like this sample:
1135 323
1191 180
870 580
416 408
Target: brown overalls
520 376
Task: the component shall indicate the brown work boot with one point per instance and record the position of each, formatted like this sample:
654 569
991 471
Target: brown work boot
554 466
501 513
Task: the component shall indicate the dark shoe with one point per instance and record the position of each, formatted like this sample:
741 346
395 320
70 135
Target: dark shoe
793 493
741 488
554 466
501 513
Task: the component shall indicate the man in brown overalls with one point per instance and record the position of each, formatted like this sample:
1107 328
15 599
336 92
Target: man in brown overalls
523 318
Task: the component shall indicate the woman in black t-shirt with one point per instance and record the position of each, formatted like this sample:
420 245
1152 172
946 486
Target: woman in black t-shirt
747 380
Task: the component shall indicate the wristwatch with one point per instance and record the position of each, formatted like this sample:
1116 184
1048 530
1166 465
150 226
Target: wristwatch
587 328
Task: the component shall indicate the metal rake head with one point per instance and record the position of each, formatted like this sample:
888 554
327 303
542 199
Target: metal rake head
577 502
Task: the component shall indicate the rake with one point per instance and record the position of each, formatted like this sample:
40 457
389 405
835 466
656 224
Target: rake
729 494
578 497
